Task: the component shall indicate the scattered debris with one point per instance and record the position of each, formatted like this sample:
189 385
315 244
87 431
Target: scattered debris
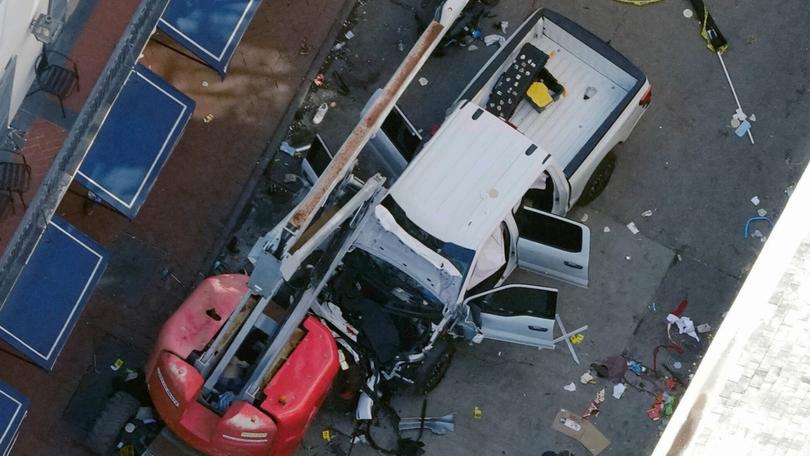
636 367
489 40
789 190
584 218
304 48
747 226
677 364
502 26
338 46
632 227
423 81
349 35
320 113
326 434
117 364
570 387
319 80
618 390
606 229
208 118
744 128
590 92
472 47
587 378
704 328
400 46
582 430
752 117
687 13
647 213
685 325
600 397
762 212
477 412
755 200
577 338
628 258
205 83
670 383
591 411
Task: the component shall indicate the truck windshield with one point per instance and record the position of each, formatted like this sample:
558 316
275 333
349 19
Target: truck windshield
459 256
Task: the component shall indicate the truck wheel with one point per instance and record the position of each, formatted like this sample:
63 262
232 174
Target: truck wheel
118 410
599 179
432 369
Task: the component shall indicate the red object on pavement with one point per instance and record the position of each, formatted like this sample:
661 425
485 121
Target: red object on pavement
678 312
292 396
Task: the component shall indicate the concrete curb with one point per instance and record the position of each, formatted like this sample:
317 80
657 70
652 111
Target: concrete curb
273 144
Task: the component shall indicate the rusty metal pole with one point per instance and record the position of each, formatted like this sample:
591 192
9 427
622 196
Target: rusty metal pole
371 122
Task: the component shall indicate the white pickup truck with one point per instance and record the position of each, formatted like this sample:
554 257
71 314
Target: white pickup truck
483 196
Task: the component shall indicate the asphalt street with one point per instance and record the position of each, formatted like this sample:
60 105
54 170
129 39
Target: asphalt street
683 162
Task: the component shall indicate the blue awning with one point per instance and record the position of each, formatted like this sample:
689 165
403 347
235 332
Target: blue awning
13 408
209 29
135 140
48 296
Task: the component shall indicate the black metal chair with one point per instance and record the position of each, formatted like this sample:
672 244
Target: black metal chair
15 177
57 80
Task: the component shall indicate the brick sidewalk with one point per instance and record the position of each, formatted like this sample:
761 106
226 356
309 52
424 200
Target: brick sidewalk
187 211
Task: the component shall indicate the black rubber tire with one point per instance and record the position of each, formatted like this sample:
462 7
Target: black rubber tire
599 179
433 368
119 409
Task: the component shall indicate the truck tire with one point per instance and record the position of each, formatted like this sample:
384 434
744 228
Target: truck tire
119 409
432 369
599 179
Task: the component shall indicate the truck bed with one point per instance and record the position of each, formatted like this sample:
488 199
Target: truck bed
567 127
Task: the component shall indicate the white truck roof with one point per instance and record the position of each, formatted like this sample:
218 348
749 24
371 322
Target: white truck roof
468 177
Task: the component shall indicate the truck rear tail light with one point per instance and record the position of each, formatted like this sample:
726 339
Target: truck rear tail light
646 99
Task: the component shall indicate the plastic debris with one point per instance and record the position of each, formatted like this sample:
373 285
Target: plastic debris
320 113
586 378
600 396
677 365
489 40
400 46
632 227
755 200
570 387
687 13
205 83
590 92
762 212
606 229
704 328
647 213
756 234
326 435
339 46
743 128
584 218
752 117
618 390
472 47
477 412
628 258
592 410
423 81
577 338
117 364
636 367
208 118
685 325
503 26
349 35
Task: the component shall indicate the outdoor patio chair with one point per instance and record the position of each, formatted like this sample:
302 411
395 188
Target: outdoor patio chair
15 177
58 80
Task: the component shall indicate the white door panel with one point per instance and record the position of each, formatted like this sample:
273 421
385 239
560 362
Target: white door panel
553 245
521 314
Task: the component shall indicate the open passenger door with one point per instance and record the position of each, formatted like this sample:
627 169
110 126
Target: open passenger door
553 245
517 313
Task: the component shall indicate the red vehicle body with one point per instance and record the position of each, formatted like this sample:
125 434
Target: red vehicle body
292 396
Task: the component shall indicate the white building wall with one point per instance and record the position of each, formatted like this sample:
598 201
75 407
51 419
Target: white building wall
16 39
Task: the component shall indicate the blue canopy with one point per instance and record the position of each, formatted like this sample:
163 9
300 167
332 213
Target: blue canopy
210 29
135 140
48 296
13 408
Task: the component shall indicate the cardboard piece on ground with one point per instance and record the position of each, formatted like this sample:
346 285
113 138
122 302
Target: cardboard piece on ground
581 430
